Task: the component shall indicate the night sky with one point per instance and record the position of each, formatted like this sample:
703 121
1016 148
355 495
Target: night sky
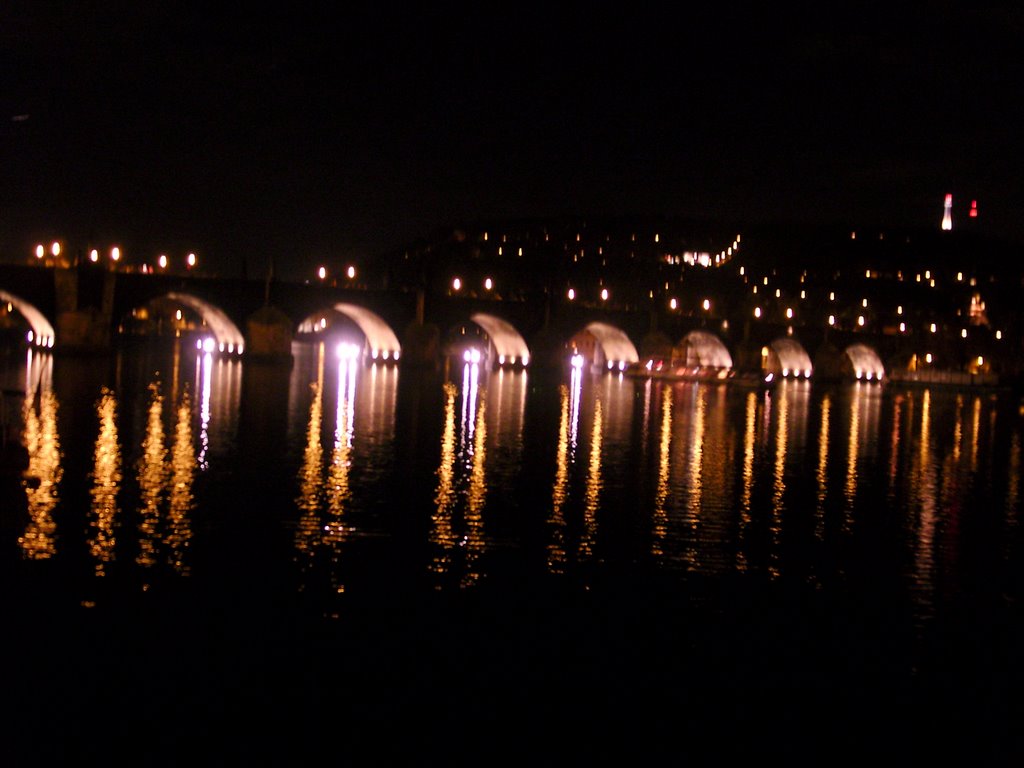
314 137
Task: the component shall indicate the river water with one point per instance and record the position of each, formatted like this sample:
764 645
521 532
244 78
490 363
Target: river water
456 565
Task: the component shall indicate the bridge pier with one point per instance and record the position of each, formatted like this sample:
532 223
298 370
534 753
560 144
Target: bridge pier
84 304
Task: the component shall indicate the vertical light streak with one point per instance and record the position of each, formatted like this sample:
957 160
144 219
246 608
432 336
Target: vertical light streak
660 518
894 443
106 484
749 435
559 491
441 533
926 482
204 409
593 491
975 428
307 534
695 466
779 484
474 538
822 474
181 501
338 487
41 479
151 476
852 451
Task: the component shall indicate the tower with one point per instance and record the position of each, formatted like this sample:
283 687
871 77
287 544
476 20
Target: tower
947 213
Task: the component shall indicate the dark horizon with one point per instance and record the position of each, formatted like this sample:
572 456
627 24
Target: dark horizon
305 137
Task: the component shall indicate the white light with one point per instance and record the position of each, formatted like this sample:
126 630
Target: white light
456 284
785 371
501 359
208 344
807 373
322 272
903 327
162 261
604 294
374 353
999 334
396 354
933 327
94 255
672 304
30 336
40 251
385 354
199 344
571 294
611 364
831 319
963 333
757 311
526 360
577 361
348 351
351 272
191 260
488 284
789 312
707 304
860 320
649 365
928 357
622 365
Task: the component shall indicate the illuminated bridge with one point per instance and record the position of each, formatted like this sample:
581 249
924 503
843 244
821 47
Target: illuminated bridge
538 295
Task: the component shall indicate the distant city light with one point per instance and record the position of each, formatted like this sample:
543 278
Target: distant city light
457 284
488 283
115 254
40 251
571 294
162 261
94 255
191 260
351 272
322 272
55 248
604 294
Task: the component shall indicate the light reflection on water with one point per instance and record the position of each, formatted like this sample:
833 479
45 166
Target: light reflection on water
806 483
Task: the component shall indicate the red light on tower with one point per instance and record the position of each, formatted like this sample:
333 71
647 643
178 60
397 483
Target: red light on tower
974 209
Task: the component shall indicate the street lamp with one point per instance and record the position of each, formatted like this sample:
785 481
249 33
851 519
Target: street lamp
322 273
162 261
351 272
94 256
190 260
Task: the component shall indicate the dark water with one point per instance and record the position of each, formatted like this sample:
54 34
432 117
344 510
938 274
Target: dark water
207 561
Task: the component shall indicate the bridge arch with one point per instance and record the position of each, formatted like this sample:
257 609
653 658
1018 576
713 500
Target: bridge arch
509 345
864 362
702 349
604 345
42 333
380 340
786 357
226 334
